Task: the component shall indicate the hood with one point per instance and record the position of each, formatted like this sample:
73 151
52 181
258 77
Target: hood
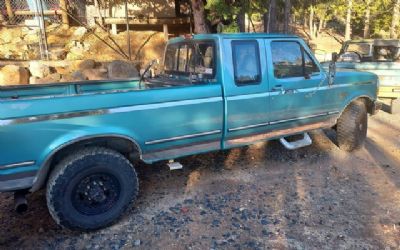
387 72
346 76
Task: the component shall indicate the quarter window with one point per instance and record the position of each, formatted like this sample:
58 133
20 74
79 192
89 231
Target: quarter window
246 62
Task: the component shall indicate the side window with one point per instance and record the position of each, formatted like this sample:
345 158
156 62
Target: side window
185 58
309 65
171 58
287 59
246 62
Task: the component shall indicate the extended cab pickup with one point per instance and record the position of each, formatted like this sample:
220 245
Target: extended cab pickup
81 141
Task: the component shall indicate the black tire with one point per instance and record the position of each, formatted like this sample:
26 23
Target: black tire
352 125
91 188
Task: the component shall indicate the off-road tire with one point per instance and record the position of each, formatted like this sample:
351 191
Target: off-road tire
351 127
81 167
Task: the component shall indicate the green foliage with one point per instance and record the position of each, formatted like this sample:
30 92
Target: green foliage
333 11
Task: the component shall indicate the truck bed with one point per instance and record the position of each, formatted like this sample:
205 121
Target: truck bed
68 89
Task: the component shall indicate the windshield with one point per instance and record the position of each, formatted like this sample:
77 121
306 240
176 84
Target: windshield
361 48
190 57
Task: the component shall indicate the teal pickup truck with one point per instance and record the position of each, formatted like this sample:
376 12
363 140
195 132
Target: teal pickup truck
81 141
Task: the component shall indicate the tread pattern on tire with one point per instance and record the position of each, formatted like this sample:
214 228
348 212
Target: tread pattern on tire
61 170
348 136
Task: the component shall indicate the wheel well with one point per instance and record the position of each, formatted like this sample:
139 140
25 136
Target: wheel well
369 104
125 146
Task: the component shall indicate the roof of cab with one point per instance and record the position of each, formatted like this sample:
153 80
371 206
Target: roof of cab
237 36
377 42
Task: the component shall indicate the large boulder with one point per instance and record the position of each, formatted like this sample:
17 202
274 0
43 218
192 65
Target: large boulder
95 74
122 70
76 76
87 64
13 75
38 69
52 78
79 33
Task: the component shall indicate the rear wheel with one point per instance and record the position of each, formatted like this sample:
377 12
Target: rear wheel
352 125
91 188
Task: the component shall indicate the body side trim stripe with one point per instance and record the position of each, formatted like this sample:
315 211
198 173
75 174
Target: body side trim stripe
18 164
281 121
40 118
183 137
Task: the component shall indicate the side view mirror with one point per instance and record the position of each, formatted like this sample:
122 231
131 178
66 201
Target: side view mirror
335 57
332 68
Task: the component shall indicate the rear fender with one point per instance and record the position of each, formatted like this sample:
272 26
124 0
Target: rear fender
70 139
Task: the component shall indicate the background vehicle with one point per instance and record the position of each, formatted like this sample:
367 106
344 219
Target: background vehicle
381 57
81 140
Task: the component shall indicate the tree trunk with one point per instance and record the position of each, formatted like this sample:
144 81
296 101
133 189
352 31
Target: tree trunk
305 26
241 20
311 22
315 30
395 20
265 20
272 17
200 25
367 19
324 24
347 32
288 7
321 24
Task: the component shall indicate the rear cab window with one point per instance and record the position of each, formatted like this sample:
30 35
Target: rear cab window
191 57
246 62
291 60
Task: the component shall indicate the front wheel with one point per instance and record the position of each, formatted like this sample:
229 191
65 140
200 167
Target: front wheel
351 127
91 188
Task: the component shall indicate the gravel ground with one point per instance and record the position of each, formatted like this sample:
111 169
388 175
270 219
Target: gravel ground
256 197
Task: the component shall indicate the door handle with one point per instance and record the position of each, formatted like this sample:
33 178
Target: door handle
278 88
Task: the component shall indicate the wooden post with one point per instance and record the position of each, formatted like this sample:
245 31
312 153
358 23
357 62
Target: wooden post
64 15
114 29
165 29
10 12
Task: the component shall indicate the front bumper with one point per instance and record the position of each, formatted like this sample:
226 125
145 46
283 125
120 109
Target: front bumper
392 92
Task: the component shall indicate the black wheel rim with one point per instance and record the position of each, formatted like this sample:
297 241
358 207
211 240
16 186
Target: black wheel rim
96 193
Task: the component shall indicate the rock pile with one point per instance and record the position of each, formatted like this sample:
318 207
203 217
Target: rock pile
39 72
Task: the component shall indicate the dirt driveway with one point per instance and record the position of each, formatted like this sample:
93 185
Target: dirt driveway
256 197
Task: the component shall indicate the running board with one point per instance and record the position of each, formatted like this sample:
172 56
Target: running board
173 165
306 141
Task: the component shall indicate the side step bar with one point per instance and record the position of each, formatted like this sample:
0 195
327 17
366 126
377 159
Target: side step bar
306 141
174 165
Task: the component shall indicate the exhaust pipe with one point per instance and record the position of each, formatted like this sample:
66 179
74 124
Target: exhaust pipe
20 202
